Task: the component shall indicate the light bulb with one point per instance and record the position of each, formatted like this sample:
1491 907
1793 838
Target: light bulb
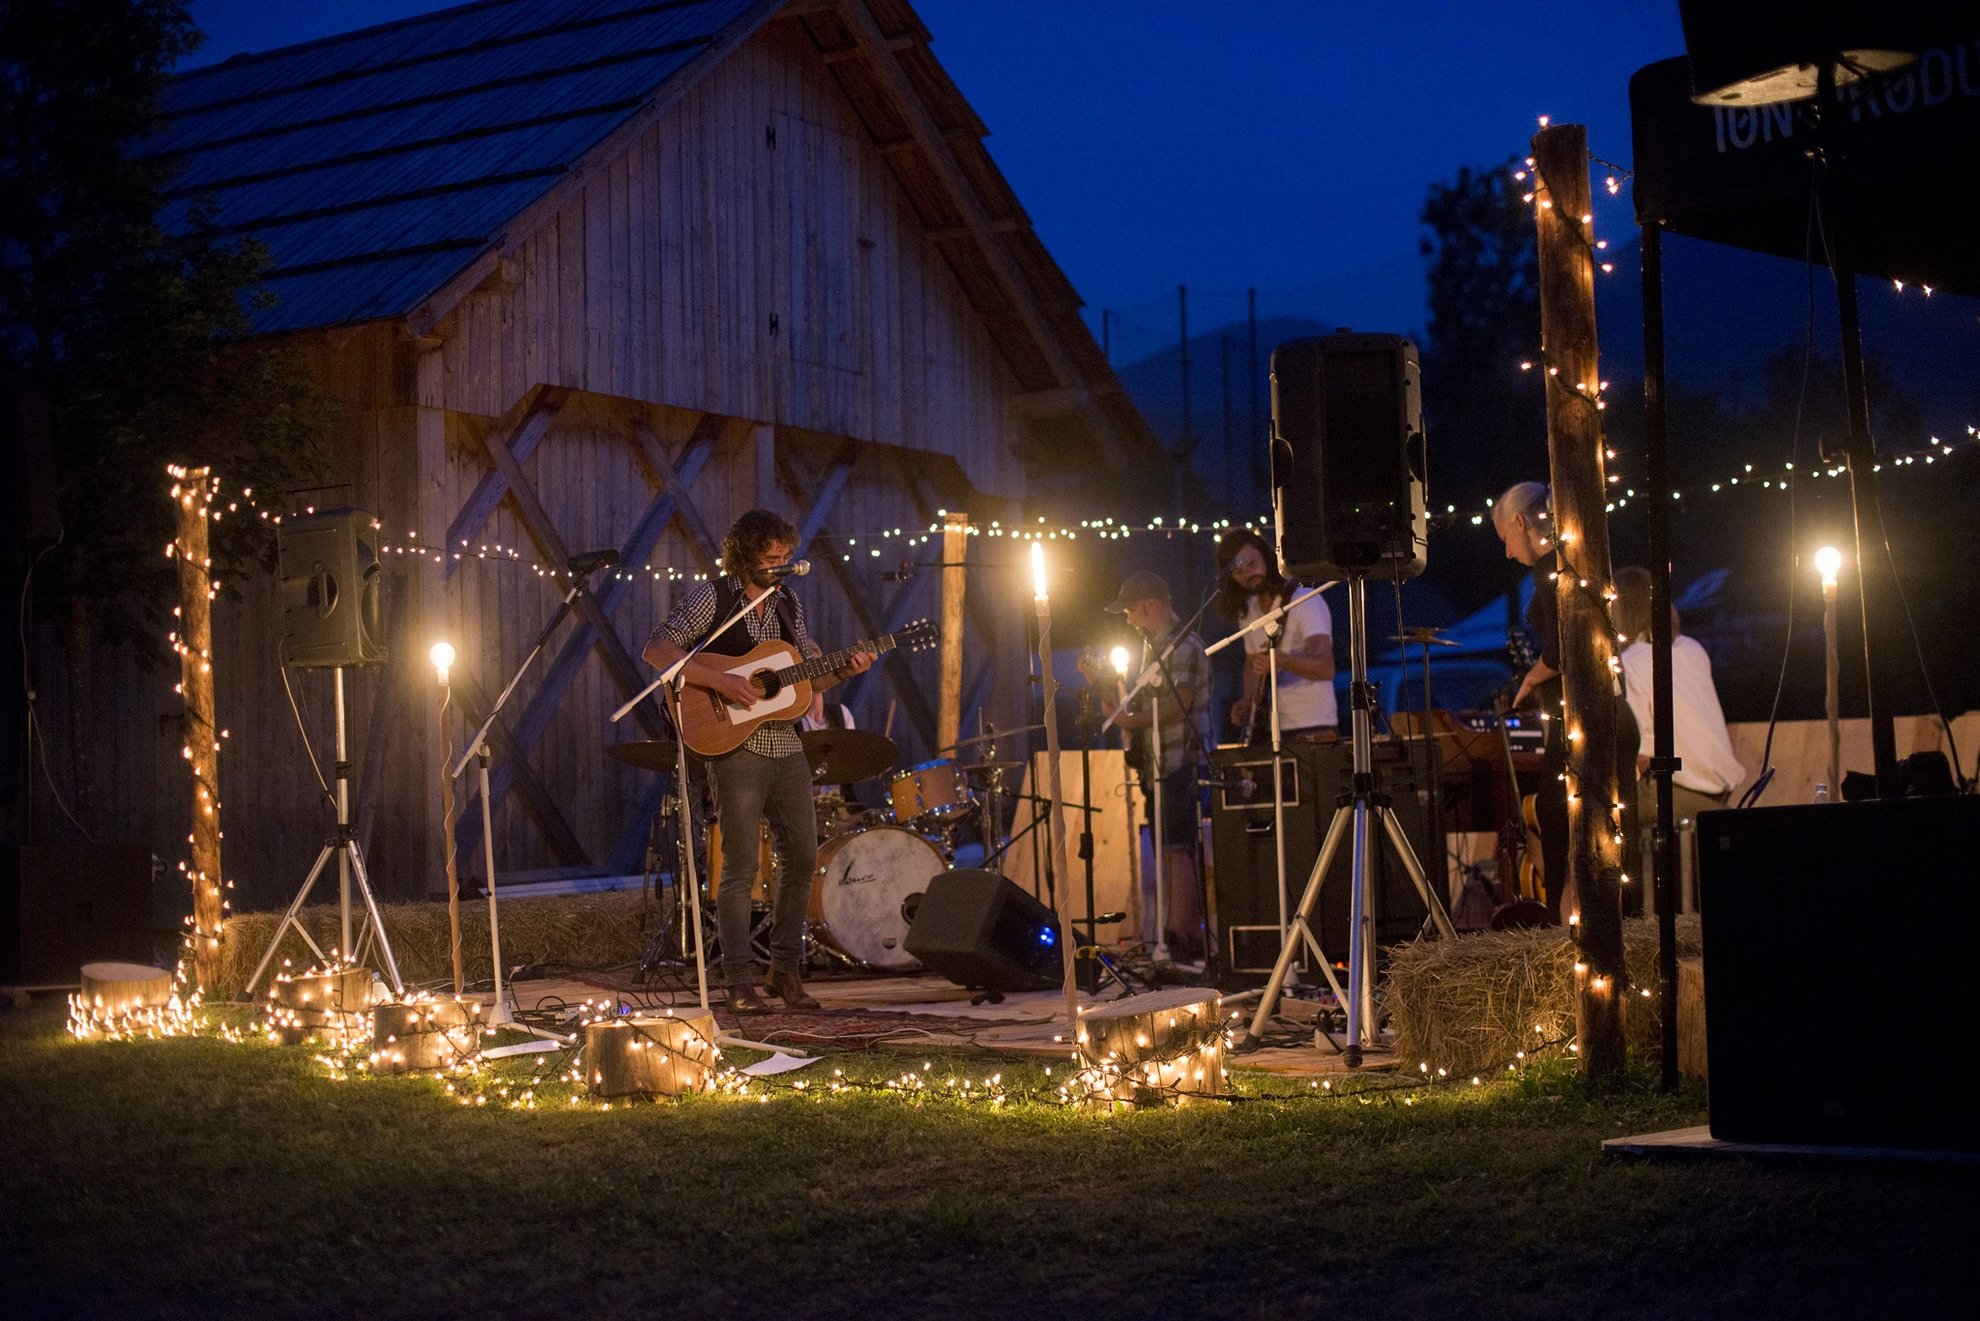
1828 562
1119 656
442 657
1038 587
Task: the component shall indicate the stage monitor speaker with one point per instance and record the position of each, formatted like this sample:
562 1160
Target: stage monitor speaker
1826 927
1348 461
64 905
332 589
1315 776
979 930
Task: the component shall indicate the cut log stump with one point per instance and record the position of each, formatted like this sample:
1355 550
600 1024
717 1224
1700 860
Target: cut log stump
1691 1017
665 1055
424 1034
1166 1047
333 1005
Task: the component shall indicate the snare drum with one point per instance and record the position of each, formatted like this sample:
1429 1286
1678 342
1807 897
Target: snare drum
768 862
934 789
865 891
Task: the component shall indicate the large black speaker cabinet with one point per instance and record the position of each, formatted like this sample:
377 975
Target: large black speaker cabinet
64 905
1348 459
1315 776
979 930
331 590
1757 52
1828 928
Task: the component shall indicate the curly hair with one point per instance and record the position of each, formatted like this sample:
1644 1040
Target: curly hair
749 536
1231 598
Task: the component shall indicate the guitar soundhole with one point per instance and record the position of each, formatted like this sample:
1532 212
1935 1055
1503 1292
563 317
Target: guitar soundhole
765 682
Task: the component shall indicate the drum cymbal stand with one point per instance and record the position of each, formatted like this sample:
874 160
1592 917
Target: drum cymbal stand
1365 809
343 846
674 680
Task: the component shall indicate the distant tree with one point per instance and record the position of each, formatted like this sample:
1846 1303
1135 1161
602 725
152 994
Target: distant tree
123 312
1486 419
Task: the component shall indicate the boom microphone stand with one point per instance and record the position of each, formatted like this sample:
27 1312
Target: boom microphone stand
1363 808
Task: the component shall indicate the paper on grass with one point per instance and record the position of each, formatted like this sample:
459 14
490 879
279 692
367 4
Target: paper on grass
777 1063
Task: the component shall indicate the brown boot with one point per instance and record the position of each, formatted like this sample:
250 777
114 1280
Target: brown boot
787 987
744 999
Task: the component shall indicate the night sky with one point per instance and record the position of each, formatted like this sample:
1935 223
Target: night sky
1228 144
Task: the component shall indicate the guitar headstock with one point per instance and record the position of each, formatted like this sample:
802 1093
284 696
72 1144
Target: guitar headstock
918 636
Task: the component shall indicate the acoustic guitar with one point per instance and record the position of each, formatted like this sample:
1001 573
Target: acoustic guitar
782 678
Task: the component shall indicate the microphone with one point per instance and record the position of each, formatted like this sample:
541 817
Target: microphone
900 575
795 569
590 562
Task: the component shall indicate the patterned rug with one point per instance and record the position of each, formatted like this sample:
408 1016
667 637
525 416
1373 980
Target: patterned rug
846 1029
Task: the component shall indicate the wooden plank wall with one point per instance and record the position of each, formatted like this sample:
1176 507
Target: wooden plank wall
659 281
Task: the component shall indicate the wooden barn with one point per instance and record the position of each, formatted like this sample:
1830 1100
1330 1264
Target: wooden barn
605 273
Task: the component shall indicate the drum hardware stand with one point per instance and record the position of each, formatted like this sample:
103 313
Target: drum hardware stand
1091 962
1362 808
342 845
674 680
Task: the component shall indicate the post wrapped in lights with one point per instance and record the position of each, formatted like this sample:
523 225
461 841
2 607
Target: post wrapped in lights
1828 562
1056 818
442 657
192 494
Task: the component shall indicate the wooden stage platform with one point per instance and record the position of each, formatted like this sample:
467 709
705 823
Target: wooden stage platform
1025 1023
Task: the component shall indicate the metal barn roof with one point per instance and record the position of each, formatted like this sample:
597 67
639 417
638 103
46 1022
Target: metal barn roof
378 163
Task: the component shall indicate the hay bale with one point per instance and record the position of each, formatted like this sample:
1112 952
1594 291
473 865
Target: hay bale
1474 1002
578 930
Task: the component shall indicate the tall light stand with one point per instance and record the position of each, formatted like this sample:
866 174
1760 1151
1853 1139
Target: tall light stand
350 862
1828 561
1055 819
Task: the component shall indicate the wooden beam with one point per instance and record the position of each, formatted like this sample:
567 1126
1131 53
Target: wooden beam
700 535
817 503
531 426
955 550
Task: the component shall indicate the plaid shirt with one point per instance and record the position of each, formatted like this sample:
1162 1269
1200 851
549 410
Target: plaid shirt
1190 669
695 616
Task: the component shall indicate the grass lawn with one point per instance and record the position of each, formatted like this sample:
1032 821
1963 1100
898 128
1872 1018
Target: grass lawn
197 1178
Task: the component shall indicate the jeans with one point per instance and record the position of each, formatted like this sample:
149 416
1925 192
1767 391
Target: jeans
749 789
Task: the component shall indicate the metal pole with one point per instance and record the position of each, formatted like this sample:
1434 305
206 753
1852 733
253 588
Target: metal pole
1663 719
343 772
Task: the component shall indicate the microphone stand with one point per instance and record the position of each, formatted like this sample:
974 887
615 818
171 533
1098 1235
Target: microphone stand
499 1014
674 679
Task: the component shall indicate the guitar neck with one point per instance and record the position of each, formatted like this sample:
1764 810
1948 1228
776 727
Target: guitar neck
835 660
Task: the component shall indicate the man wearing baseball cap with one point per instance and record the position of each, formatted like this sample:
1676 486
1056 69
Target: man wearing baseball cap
1178 696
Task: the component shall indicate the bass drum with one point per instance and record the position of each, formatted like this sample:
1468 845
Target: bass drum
867 886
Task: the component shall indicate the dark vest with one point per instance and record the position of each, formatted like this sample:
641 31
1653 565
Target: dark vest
737 640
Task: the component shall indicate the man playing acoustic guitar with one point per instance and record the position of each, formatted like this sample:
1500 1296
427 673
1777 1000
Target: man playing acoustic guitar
766 778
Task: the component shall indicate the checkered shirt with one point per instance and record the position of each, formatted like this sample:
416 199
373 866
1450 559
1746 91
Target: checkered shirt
1190 669
695 616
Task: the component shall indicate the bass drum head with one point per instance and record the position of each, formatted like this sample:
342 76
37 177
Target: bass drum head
867 886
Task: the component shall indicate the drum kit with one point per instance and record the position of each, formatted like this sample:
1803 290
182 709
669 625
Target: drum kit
873 862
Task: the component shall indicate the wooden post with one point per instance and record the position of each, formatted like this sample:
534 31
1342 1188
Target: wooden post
955 549
1562 200
192 493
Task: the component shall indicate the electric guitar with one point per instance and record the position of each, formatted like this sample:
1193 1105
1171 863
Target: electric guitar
782 678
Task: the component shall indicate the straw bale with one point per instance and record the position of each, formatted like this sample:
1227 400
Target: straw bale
579 931
1475 1002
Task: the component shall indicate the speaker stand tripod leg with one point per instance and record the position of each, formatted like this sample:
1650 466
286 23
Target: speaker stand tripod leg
1437 915
363 875
1300 931
289 920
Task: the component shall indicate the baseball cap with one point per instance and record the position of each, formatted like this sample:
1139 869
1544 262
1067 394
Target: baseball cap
1141 585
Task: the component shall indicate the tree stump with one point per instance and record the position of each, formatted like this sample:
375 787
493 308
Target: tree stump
665 1055
1166 1047
424 1034
120 997
334 1005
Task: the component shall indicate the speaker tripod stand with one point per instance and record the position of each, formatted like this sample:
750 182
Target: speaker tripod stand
343 846
1361 811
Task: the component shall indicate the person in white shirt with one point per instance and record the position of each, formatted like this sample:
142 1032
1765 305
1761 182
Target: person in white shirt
1251 587
1709 769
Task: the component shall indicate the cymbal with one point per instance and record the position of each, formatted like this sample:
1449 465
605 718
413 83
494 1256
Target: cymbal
839 756
985 738
657 754
1419 636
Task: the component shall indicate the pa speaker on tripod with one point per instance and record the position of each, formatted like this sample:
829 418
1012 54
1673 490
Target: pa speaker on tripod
331 590
1348 463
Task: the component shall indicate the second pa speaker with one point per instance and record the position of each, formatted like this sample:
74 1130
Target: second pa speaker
979 930
1348 461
